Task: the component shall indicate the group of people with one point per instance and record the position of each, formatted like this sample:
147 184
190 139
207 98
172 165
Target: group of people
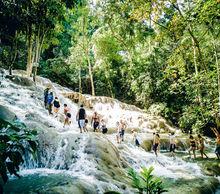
121 126
98 124
53 106
194 144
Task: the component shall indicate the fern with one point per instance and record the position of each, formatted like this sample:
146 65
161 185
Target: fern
145 182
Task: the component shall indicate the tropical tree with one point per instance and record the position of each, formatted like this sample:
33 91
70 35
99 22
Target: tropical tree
15 141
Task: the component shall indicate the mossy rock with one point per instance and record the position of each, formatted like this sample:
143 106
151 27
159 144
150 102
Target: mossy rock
107 158
6 114
22 81
147 145
211 168
77 187
192 186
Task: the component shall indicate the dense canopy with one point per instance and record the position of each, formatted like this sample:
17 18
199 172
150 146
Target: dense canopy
159 55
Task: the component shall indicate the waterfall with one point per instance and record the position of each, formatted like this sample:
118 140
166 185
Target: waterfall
92 158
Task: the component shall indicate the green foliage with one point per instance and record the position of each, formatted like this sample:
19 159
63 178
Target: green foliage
147 53
15 140
145 182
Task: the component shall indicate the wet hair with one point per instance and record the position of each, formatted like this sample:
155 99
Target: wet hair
65 105
81 105
191 137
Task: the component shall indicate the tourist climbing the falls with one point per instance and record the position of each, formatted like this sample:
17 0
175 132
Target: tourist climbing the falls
46 92
95 121
192 148
122 126
50 102
67 120
201 145
156 143
67 114
80 117
65 109
135 138
118 132
103 126
56 105
217 149
172 144
85 127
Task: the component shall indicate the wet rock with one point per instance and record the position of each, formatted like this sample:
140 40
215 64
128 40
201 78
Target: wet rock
22 81
211 168
6 114
147 145
193 186
106 155
51 184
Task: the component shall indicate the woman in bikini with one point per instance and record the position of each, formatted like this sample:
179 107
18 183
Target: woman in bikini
192 148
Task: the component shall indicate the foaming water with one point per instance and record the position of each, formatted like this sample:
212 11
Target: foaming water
163 165
67 154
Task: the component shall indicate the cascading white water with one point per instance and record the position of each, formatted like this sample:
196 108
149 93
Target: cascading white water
64 150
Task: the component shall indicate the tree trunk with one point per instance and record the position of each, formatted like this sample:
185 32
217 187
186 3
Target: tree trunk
195 40
194 57
36 57
37 46
86 51
80 81
196 71
110 88
218 73
29 57
91 75
14 53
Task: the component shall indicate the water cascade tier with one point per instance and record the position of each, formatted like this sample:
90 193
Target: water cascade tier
71 162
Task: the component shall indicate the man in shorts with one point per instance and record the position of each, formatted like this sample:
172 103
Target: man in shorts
80 117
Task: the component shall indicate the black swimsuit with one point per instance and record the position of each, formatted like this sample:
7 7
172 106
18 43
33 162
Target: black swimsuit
193 143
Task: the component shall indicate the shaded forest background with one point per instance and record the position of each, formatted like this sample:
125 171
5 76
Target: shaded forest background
162 56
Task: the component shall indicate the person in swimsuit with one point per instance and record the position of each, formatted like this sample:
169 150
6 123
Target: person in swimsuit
80 117
156 143
172 144
103 126
46 92
85 127
65 109
50 102
56 105
201 145
192 148
95 121
135 139
67 120
122 127
217 149
118 132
